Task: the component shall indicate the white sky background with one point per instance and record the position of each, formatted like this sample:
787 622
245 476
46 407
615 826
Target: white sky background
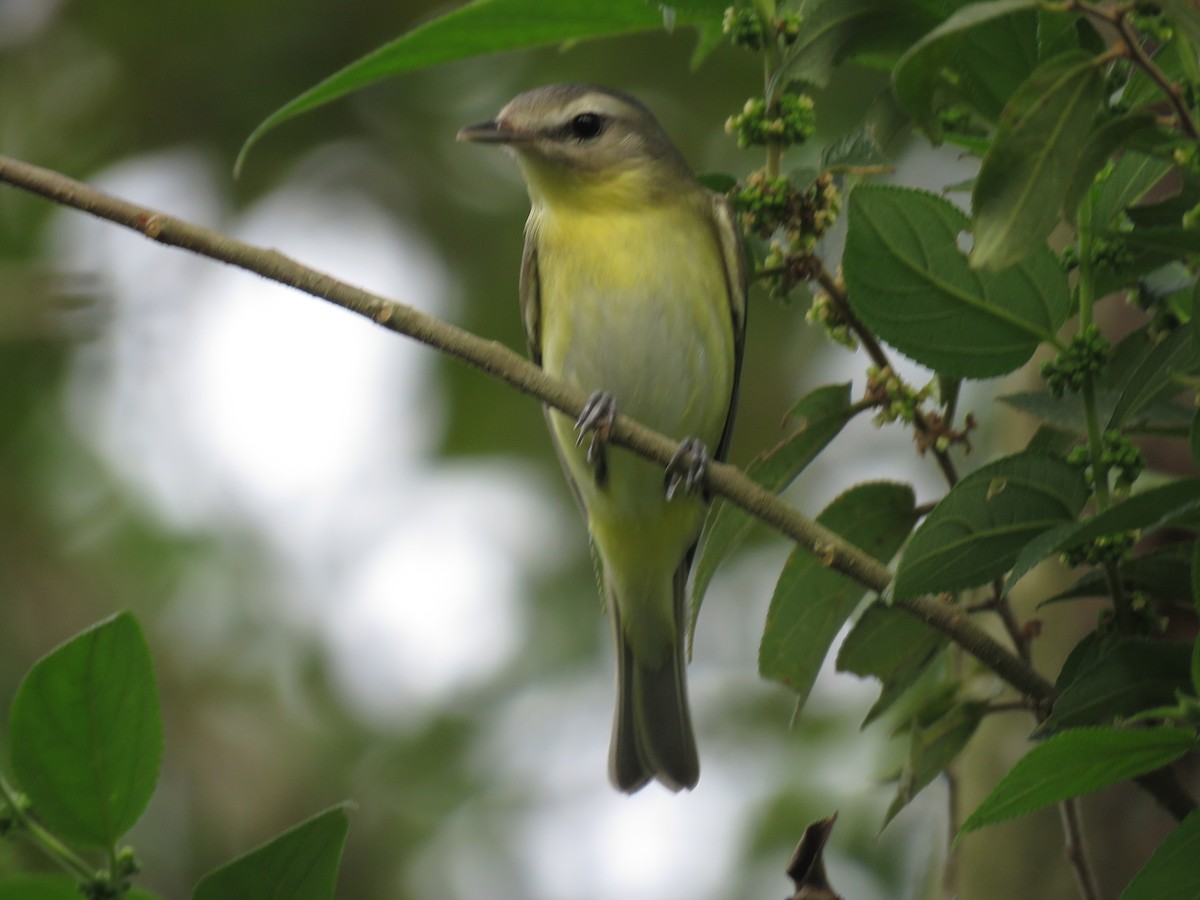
218 395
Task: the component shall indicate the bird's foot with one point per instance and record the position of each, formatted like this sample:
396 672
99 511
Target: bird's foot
687 467
596 420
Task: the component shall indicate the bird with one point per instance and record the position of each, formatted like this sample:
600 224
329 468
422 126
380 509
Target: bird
632 289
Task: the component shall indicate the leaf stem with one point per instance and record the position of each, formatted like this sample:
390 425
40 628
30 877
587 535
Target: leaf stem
44 839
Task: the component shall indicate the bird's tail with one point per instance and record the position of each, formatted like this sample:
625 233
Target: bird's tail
652 728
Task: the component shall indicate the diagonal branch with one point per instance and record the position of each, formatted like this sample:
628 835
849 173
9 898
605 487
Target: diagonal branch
502 363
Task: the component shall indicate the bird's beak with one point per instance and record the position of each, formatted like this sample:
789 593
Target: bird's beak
493 132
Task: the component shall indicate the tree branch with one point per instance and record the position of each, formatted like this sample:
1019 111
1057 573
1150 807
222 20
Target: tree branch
502 363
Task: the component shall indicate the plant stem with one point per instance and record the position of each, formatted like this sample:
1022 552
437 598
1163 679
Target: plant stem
46 841
1118 17
879 356
1075 847
1087 300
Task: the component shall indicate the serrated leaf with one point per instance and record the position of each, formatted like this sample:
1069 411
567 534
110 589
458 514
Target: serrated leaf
911 284
931 749
1023 180
1133 175
1078 762
1148 511
1171 872
821 415
1164 574
916 75
1158 377
812 601
85 733
1099 147
978 529
836 30
892 645
1121 679
480 28
300 864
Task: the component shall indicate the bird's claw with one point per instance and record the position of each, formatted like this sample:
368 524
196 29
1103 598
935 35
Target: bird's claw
687 467
596 420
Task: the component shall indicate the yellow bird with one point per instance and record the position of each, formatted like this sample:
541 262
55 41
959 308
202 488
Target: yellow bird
633 288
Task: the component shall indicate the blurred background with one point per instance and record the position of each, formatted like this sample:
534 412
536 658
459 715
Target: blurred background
359 570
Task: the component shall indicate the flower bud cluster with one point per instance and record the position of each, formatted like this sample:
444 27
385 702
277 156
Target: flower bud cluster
1086 355
745 28
792 122
1108 548
1118 455
897 400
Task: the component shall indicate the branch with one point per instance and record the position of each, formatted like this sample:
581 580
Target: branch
866 337
503 364
1076 849
1118 17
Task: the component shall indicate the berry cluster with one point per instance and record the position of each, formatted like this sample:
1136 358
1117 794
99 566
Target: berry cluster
792 122
1086 355
824 312
897 400
745 28
1109 548
114 885
1118 455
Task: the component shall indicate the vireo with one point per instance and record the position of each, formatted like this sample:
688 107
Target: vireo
633 287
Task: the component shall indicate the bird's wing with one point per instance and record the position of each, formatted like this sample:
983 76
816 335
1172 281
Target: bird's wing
531 298
729 239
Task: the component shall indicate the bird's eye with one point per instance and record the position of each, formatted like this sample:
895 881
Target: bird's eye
586 126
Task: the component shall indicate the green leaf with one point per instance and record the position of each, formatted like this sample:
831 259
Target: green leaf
978 529
1149 510
821 414
1078 762
1133 175
992 60
1023 181
1132 359
892 645
1042 546
1171 873
911 284
1121 679
1158 377
836 30
300 864
916 75
1101 144
86 733
1163 574
931 749
480 28
811 601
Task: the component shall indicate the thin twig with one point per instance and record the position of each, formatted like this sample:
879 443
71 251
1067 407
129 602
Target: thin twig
1075 847
879 356
1118 17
